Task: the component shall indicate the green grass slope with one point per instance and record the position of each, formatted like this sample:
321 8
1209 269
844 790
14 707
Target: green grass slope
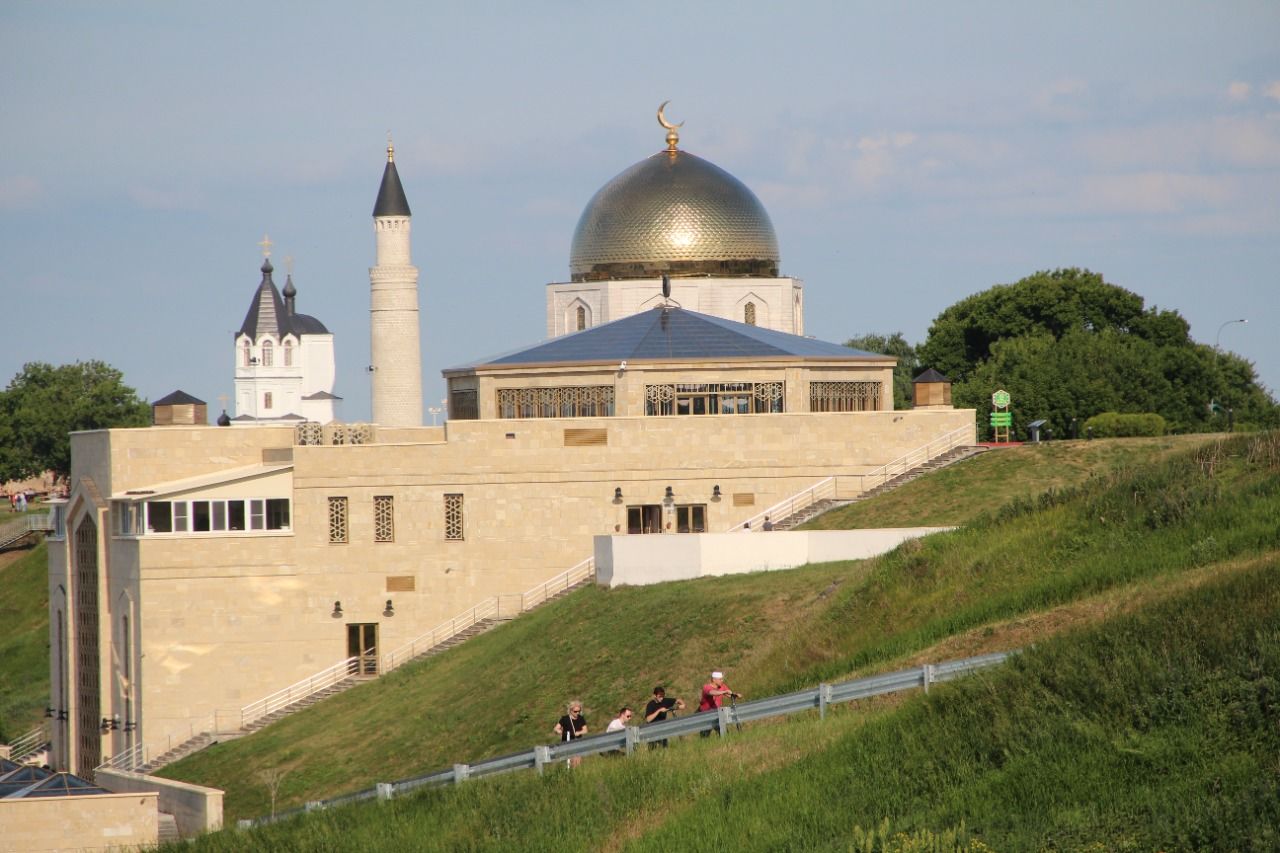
1154 730
1112 537
24 641
960 493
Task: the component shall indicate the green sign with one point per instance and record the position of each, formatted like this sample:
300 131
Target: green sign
1001 399
1002 419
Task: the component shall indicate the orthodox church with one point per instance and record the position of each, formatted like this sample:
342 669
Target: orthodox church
196 572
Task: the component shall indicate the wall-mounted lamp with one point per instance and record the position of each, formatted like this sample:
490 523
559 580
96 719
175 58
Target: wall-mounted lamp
130 725
670 494
110 724
389 611
715 492
62 715
617 494
371 369
253 360
337 610
48 712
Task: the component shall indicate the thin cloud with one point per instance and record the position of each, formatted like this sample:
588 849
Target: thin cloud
1238 90
20 192
1272 90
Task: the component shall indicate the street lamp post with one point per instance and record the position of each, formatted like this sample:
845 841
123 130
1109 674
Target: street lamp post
1218 336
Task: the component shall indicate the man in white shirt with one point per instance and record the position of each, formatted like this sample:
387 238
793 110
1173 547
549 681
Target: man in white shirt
621 721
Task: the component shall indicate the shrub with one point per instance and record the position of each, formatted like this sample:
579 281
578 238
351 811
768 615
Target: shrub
1116 425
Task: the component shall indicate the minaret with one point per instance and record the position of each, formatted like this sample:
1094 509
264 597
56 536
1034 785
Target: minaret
396 365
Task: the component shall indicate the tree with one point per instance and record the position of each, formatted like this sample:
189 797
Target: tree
1068 344
908 365
44 404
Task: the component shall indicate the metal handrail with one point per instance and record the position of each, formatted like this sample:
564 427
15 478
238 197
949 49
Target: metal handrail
29 743
131 759
298 691
628 740
789 506
489 608
919 456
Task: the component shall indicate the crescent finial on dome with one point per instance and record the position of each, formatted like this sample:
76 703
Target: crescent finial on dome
391 149
673 138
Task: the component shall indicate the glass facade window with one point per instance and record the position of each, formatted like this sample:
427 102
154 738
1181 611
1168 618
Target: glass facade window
215 516
721 398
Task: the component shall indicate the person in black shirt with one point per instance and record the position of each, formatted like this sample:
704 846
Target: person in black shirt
658 708
572 726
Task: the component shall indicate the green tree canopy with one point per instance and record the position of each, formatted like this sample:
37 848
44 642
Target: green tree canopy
44 404
1068 344
897 346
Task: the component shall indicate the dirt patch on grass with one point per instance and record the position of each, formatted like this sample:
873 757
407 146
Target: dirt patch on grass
13 555
1026 630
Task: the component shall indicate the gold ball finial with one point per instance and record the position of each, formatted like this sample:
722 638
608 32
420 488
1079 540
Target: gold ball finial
673 138
391 149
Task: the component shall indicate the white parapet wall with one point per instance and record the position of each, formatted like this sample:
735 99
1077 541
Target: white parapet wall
638 560
195 809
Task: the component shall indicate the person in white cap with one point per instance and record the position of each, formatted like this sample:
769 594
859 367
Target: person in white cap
714 691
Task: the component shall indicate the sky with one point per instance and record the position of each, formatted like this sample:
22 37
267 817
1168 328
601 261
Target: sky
909 155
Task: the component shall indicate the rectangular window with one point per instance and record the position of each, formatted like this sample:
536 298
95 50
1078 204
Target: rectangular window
278 513
257 521
266 399
844 396
453 521
219 515
235 515
200 516
159 517
575 401
337 520
463 405
691 518
384 526
716 398
180 513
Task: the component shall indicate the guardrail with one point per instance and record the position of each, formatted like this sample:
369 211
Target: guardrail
36 522
629 739
130 759
819 491
29 743
956 438
301 690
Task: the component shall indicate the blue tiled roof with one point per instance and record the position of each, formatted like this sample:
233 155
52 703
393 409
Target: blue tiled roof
667 333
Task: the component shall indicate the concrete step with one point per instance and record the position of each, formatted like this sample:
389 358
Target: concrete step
167 828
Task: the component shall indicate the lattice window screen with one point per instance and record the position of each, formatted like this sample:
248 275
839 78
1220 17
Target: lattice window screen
384 519
309 433
844 396
453 521
337 520
576 401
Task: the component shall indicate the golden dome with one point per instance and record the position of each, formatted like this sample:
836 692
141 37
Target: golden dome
673 214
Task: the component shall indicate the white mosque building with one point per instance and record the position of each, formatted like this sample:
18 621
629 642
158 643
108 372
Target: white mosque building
195 569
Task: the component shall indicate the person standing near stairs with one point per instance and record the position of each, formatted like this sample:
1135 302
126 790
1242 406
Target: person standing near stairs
768 525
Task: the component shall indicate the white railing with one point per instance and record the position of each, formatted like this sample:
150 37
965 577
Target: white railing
819 491
309 686
16 529
29 743
486 609
129 760
956 438
497 607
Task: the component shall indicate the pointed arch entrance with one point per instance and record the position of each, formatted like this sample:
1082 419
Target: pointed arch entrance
88 681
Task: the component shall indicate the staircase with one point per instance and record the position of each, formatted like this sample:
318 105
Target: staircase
14 532
166 828
951 457
479 619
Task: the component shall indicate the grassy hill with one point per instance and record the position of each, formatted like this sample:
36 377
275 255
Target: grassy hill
24 639
1071 559
1152 730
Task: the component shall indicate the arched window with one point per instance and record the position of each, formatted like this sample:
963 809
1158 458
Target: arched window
266 400
247 353
288 353
267 359
582 318
749 314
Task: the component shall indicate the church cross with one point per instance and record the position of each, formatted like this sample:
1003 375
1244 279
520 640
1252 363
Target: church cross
266 245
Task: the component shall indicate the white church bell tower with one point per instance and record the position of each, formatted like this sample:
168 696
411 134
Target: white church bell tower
396 361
